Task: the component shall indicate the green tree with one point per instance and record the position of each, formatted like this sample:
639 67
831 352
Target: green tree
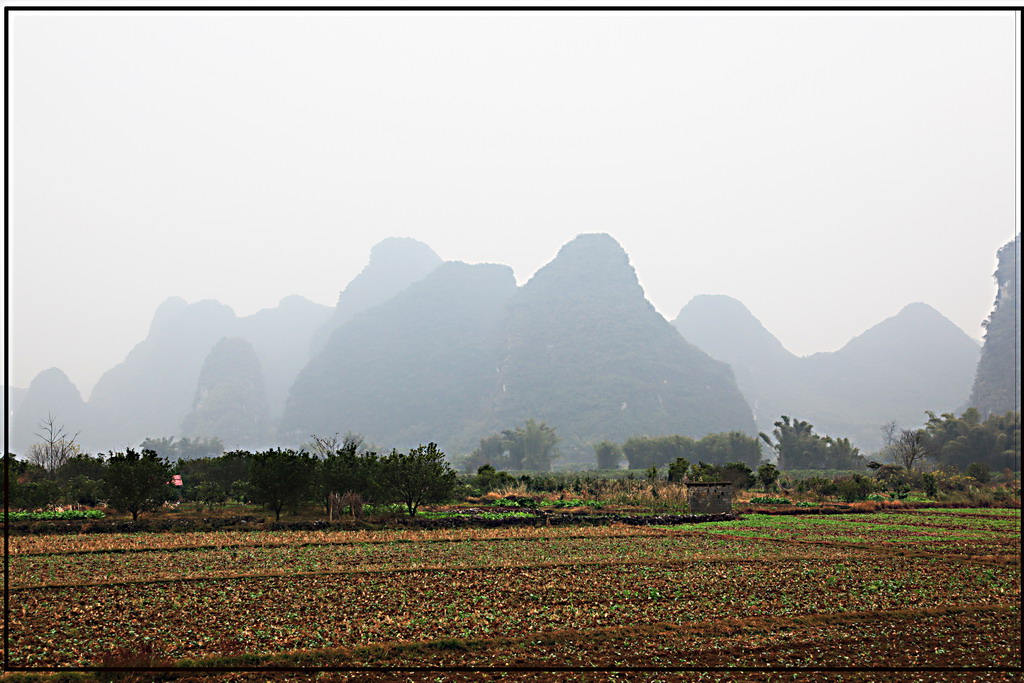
533 445
979 471
490 479
797 447
420 476
767 475
738 474
646 451
136 482
677 469
960 441
608 455
347 470
230 472
703 472
529 447
184 448
81 466
281 478
726 447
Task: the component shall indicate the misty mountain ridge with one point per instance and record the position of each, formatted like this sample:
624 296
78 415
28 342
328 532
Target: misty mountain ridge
152 390
996 390
587 353
416 368
395 263
231 400
50 394
419 350
914 361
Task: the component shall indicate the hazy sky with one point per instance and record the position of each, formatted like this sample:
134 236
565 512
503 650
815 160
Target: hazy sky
825 169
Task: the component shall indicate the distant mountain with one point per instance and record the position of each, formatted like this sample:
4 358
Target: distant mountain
915 361
230 400
462 354
589 355
395 263
419 367
152 390
280 337
729 332
51 393
997 381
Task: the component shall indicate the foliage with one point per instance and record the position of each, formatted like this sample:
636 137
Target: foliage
961 441
528 447
767 475
81 490
677 469
281 478
350 470
798 447
714 449
980 471
608 455
228 472
81 465
703 472
898 480
738 474
136 482
420 476
854 488
489 479
770 500
56 515
650 451
184 448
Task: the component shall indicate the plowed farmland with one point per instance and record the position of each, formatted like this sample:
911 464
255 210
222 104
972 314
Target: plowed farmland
916 589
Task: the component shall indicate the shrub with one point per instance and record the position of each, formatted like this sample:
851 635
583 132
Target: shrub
857 487
979 471
48 515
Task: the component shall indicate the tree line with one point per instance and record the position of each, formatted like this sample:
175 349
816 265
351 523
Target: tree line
139 481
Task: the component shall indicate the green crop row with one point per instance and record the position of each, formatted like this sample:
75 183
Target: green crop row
478 515
48 515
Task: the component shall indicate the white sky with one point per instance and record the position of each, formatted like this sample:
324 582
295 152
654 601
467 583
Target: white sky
825 169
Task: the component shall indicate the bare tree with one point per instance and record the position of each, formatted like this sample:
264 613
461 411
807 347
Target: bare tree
56 447
910 447
326 446
889 430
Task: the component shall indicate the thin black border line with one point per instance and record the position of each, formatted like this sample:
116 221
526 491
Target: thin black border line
497 669
7 346
391 8
516 8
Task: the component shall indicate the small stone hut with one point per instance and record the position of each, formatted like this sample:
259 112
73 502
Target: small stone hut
709 498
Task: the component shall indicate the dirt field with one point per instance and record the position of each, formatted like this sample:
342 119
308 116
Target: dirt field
917 589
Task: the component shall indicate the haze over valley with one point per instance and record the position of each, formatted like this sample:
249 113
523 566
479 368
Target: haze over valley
419 349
